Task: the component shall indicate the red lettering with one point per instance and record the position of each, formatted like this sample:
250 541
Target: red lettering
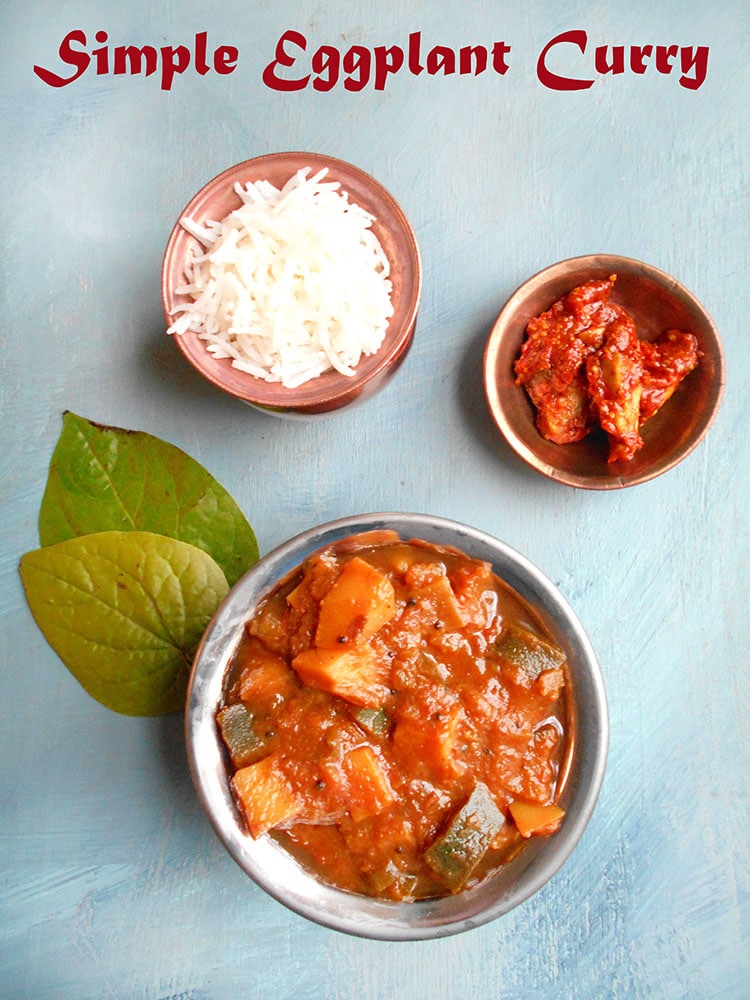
499 63
415 44
639 56
225 59
201 65
70 56
282 58
441 59
128 59
173 61
696 60
664 56
472 59
552 80
102 54
387 61
356 65
617 64
325 64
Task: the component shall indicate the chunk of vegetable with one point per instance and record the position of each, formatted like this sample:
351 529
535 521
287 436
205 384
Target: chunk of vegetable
360 601
536 782
533 820
550 683
475 592
320 573
354 674
433 740
525 656
271 629
444 608
391 882
433 605
270 680
456 853
238 732
265 796
374 720
370 790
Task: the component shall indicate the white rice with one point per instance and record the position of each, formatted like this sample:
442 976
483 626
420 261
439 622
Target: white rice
291 284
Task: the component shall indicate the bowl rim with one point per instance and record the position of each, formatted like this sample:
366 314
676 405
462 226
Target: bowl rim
610 262
311 394
304 893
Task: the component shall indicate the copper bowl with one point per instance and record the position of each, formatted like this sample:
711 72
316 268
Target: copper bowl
297 887
330 390
656 302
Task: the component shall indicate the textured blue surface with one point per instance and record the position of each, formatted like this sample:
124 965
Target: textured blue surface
113 884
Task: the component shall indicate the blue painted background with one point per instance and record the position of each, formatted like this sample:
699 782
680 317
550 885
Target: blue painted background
113 884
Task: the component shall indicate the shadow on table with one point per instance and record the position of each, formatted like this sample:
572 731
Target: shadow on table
169 738
165 364
164 374
474 406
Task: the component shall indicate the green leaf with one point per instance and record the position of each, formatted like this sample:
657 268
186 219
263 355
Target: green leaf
125 612
109 479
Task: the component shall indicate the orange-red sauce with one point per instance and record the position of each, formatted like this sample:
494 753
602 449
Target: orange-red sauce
405 707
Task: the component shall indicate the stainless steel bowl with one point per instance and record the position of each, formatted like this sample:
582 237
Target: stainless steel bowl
284 878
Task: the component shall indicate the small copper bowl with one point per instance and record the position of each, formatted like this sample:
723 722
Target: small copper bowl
656 302
330 390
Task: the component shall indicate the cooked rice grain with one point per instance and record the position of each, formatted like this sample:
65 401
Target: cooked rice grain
291 284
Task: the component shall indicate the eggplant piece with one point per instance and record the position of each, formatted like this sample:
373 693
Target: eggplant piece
391 882
237 728
374 720
526 654
456 852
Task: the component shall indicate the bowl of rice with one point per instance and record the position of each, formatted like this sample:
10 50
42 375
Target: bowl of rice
292 282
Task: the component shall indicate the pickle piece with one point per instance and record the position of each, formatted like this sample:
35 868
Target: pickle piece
456 853
238 732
